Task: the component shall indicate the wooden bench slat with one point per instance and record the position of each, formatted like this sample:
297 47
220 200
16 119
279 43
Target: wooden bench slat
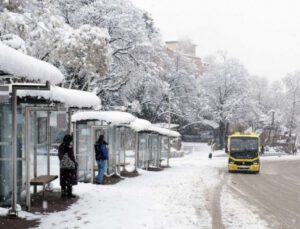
42 180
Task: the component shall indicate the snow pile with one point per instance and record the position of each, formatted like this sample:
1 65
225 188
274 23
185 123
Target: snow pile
14 42
70 97
140 124
164 131
235 214
18 64
143 125
113 117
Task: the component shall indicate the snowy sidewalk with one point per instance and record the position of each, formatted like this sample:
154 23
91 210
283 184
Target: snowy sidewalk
172 198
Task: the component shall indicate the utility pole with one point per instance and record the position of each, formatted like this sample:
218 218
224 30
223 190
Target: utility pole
169 126
271 128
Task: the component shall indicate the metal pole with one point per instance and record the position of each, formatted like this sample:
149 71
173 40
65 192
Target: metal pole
92 153
13 210
147 152
34 149
74 140
69 120
136 151
169 124
158 151
49 141
27 120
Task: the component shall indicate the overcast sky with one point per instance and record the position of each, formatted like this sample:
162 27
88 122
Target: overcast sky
263 34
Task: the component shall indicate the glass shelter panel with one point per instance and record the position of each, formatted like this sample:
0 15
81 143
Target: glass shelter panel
42 143
37 145
83 152
153 149
5 154
58 129
21 162
164 150
113 146
128 148
142 150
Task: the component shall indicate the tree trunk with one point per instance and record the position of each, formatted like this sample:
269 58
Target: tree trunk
221 134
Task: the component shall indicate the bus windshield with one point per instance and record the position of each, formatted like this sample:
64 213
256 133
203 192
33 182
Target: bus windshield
244 147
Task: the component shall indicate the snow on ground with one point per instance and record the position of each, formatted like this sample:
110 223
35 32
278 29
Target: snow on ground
238 214
173 198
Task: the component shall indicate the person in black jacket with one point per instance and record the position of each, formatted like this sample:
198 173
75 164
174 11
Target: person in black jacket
68 176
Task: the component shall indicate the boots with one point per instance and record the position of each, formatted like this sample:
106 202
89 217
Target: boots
63 191
70 194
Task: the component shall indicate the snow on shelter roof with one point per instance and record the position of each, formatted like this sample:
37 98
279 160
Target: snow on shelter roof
140 124
70 97
113 117
143 125
164 131
16 63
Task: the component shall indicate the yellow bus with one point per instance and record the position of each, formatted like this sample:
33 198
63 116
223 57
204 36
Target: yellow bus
243 150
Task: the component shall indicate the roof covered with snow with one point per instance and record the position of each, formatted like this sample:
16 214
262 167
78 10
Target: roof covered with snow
113 117
18 64
164 131
70 97
140 124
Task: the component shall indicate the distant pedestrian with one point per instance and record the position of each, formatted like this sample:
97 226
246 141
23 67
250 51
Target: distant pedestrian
262 150
212 148
294 150
101 156
68 166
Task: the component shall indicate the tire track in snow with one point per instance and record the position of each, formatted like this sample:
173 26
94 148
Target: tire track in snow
215 208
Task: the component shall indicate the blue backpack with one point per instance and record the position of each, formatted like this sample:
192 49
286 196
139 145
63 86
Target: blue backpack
98 152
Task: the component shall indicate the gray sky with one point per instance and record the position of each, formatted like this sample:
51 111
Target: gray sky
263 34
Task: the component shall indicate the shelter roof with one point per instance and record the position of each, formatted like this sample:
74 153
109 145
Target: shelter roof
140 124
70 97
18 64
113 117
164 131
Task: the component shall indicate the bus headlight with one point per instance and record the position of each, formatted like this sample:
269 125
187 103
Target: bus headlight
230 161
256 162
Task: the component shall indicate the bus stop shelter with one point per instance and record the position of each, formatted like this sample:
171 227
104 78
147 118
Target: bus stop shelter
87 127
150 144
28 112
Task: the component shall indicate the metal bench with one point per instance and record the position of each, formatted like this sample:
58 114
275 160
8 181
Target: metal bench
43 180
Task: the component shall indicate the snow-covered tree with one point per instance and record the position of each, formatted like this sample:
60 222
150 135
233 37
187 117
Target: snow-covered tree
42 26
226 88
84 53
292 85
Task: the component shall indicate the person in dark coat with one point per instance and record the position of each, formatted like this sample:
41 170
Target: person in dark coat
68 177
101 156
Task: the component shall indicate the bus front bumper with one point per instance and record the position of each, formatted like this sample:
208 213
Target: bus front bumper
240 168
